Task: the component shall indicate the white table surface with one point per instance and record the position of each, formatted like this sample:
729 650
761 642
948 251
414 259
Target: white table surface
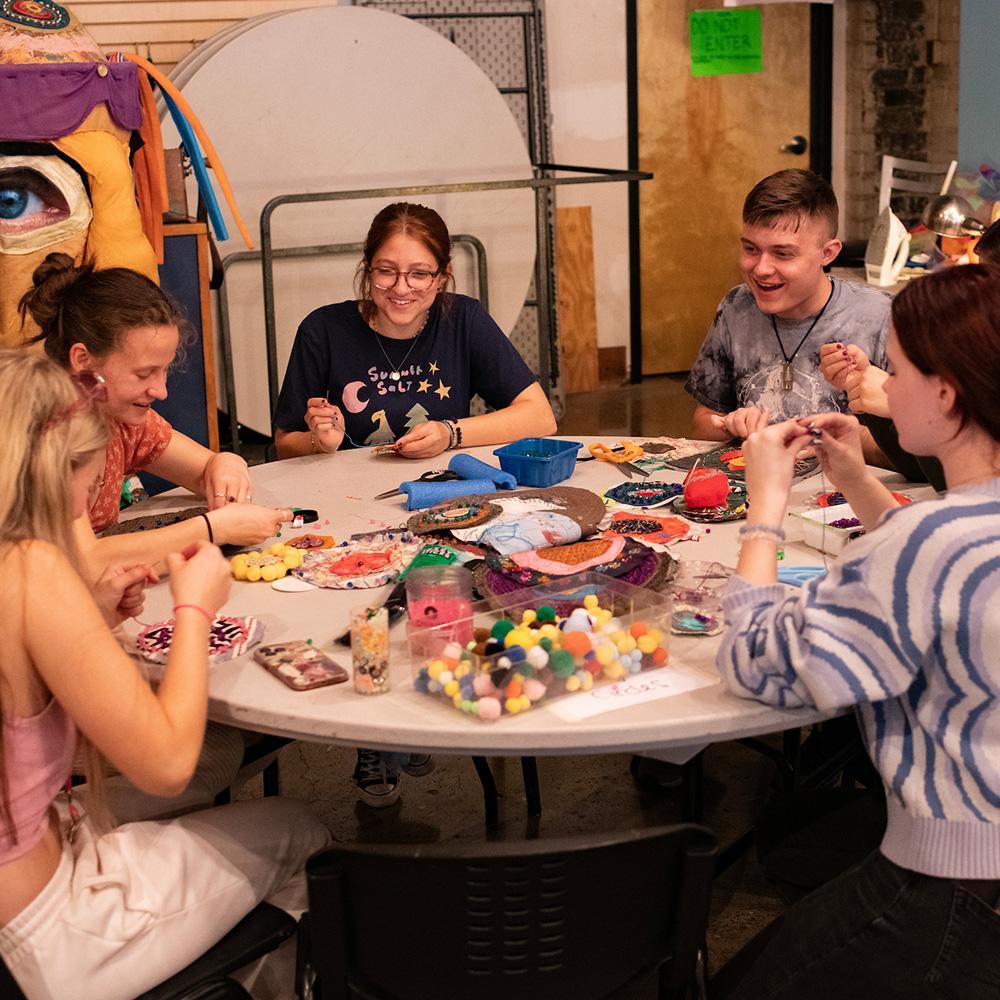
242 693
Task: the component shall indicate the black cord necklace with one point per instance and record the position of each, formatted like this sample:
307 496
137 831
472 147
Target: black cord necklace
786 368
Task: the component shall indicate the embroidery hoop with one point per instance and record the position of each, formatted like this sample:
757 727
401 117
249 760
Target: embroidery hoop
384 560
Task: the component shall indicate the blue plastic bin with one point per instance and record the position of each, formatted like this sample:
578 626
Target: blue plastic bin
538 461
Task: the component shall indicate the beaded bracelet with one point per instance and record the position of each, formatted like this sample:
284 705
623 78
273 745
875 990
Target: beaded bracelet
458 435
772 533
451 433
195 607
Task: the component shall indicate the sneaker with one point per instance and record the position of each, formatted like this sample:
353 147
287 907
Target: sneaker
377 786
419 764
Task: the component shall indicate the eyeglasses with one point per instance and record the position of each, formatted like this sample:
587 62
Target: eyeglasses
385 278
92 389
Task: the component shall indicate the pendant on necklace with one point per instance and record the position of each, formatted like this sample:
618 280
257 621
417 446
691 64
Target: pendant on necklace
394 376
786 376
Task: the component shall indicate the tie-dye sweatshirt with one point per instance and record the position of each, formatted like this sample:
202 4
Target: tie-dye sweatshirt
906 626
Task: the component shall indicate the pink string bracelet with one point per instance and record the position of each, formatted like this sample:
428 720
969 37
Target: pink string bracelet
211 618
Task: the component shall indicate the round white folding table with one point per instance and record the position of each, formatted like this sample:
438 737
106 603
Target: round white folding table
341 488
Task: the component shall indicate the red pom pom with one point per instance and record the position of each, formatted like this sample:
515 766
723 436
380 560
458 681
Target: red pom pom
706 488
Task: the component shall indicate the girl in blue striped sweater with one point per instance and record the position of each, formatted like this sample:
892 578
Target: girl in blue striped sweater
906 627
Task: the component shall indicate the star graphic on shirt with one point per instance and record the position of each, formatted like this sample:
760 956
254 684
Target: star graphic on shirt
442 390
434 368
424 386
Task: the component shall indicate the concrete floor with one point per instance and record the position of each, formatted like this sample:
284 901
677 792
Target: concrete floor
578 794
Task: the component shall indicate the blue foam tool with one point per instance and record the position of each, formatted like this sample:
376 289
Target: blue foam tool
198 164
469 467
423 494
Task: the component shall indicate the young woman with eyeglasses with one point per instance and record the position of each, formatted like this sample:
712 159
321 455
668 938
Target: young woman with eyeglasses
88 909
904 628
120 333
402 361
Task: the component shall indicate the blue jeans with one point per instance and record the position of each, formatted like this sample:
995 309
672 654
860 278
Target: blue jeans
883 931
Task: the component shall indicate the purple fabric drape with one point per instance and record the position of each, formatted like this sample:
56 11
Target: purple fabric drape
40 101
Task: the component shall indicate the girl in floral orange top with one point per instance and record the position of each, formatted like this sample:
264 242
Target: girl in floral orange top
122 327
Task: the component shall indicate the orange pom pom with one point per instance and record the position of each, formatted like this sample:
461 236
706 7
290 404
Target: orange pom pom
577 643
659 656
637 629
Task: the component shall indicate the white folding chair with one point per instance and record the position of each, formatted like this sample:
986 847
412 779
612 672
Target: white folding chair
922 178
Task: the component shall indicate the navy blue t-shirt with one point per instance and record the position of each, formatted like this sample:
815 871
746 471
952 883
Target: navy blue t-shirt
336 354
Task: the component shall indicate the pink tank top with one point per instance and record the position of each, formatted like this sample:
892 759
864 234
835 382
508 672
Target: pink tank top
37 759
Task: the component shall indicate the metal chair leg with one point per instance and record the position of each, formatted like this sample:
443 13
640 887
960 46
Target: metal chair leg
490 803
532 790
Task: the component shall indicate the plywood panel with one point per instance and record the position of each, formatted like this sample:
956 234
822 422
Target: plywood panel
576 300
708 140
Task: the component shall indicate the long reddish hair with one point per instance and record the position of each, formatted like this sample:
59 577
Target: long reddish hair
948 324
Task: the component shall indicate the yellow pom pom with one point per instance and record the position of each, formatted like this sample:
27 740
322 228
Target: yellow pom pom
605 653
656 635
616 637
513 705
451 688
614 671
278 549
588 681
456 700
572 683
550 631
528 616
646 643
626 644
269 573
253 573
525 702
240 571
590 602
462 669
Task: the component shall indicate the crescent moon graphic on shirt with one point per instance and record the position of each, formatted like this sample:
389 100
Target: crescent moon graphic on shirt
350 396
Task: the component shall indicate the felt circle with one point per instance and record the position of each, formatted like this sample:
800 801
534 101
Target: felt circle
35 14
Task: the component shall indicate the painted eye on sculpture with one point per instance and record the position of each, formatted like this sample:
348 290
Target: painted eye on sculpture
29 201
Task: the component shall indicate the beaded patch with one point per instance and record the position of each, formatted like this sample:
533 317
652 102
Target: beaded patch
312 542
357 565
649 529
228 638
39 15
465 513
644 494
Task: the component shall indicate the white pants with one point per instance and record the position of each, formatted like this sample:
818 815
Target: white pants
127 910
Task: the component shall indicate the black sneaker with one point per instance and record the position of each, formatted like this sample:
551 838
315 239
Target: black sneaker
377 786
419 764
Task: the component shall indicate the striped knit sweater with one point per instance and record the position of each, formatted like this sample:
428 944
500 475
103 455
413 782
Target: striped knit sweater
906 626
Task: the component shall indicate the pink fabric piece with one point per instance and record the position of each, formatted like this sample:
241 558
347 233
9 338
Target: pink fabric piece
532 560
40 102
37 759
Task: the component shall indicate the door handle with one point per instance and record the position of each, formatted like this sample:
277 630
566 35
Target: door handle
798 144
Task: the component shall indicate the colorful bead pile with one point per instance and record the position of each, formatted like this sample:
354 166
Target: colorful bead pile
506 669
269 565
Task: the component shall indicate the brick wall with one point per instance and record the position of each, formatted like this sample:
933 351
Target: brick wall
902 96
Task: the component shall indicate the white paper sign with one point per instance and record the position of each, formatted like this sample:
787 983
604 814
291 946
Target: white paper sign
650 685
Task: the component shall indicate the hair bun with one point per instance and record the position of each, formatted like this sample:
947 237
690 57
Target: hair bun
51 282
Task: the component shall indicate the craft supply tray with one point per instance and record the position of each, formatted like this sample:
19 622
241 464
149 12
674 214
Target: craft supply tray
630 632
539 461
819 533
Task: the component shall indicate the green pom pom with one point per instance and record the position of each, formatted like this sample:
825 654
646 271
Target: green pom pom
561 663
525 669
546 613
501 628
546 643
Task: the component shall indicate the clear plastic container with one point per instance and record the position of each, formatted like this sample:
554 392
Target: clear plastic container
819 533
538 461
612 631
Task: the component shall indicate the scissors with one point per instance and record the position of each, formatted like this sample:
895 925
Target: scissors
621 456
434 476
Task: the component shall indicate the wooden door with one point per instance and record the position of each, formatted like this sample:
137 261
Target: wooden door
708 140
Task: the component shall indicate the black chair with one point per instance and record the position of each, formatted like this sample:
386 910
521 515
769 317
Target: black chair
260 931
619 915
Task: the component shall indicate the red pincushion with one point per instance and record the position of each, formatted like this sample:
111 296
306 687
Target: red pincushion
706 488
